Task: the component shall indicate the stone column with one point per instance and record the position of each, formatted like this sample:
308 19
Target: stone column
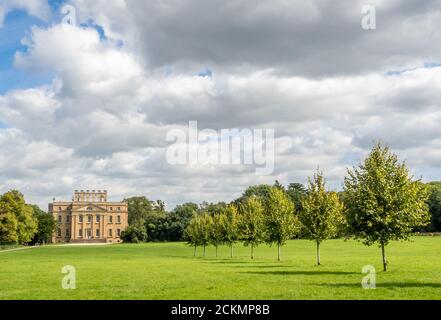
73 228
91 227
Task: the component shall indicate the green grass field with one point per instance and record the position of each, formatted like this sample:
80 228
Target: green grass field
169 271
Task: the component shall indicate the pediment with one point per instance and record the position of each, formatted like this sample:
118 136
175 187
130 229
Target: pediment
90 207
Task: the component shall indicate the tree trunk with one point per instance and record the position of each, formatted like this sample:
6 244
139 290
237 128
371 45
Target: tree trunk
231 250
384 257
252 251
216 251
278 251
204 250
318 253
194 254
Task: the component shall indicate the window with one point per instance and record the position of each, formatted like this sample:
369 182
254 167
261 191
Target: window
110 208
110 233
118 219
119 209
118 232
97 232
97 219
67 232
60 219
59 232
68 219
89 219
59 208
110 219
80 233
81 219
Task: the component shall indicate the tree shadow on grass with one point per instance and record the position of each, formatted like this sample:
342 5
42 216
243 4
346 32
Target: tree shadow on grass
300 272
386 285
229 261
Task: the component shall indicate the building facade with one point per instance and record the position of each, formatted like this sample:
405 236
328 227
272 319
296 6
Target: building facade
89 218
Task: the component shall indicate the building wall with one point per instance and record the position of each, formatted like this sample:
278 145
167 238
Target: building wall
89 221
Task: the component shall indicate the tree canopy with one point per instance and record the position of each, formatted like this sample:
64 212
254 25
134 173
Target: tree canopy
383 201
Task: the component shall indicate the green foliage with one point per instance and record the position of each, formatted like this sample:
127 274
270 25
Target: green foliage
46 226
218 229
8 225
172 226
20 229
296 192
143 211
134 234
251 223
281 223
191 232
434 203
260 191
322 212
383 202
231 224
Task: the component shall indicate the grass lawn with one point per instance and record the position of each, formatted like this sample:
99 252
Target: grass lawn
169 271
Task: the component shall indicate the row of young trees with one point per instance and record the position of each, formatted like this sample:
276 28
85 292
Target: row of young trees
381 202
255 220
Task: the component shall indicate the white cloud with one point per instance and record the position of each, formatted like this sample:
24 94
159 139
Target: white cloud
37 8
102 122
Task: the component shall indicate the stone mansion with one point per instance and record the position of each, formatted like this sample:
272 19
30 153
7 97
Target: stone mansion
89 218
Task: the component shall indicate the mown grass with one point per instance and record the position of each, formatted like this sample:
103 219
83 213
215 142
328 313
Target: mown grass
169 271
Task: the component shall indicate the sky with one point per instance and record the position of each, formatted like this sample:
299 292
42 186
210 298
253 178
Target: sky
88 105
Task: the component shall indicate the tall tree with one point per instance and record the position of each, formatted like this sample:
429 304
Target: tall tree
46 226
8 225
27 224
251 224
322 212
260 191
281 223
383 201
434 203
296 192
140 209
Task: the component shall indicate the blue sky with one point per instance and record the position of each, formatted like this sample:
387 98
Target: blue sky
17 26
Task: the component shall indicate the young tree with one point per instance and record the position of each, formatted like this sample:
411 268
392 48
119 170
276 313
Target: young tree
281 223
383 201
191 233
231 226
204 230
322 212
251 224
217 230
